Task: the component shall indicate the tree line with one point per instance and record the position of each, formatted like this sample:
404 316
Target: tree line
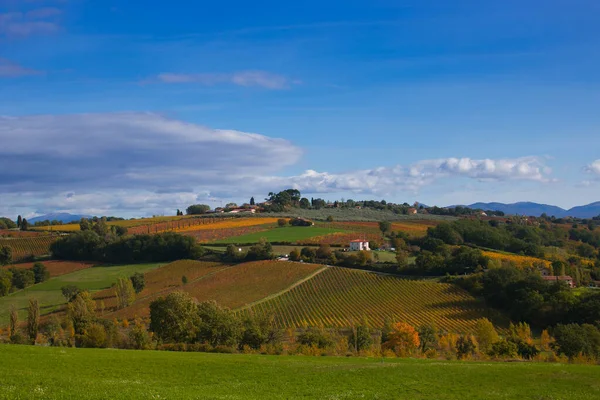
178 322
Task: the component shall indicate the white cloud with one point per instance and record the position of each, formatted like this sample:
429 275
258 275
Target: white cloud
129 150
34 22
12 70
144 163
244 78
593 168
411 178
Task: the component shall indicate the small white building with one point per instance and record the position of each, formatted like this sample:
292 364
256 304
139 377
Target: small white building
358 245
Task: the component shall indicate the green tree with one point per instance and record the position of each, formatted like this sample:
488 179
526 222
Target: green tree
260 330
323 252
5 255
329 218
503 349
13 321
138 280
184 280
304 203
218 325
294 255
385 227
308 254
24 225
82 312
40 272
402 259
252 202
139 338
427 336
22 278
317 337
465 346
69 292
94 337
574 339
6 223
281 222
360 337
197 209
19 221
175 319
5 282
33 319
486 334
260 251
124 292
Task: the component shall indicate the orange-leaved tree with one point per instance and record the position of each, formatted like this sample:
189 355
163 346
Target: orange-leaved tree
403 339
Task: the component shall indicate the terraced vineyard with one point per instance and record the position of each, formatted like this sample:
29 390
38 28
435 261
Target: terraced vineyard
23 248
230 286
161 280
337 296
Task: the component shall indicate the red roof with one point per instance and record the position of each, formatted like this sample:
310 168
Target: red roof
357 241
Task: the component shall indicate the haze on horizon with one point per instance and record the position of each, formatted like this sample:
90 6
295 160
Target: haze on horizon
133 108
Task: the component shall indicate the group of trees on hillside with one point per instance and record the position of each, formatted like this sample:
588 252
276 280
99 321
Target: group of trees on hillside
526 297
19 278
89 245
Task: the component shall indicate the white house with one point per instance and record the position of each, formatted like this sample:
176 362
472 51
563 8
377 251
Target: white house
358 245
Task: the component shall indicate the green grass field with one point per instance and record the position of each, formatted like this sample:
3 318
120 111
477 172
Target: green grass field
286 234
50 297
29 372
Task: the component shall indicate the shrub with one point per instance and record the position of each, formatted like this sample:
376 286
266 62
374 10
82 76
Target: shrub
317 337
40 272
93 337
139 338
503 349
138 281
465 347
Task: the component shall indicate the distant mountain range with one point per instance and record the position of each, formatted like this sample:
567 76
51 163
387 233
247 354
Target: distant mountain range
63 217
536 209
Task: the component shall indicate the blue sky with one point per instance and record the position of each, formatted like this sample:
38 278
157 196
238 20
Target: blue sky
139 107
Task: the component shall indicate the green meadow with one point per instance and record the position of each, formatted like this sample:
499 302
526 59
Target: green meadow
29 372
50 296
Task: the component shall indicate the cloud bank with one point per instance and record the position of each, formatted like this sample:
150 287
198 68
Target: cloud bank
144 163
244 78
40 21
594 168
9 69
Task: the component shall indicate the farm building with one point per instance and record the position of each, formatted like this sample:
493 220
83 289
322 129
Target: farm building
358 245
564 278
412 211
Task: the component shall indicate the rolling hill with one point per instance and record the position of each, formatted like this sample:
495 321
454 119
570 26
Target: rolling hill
63 217
301 294
537 209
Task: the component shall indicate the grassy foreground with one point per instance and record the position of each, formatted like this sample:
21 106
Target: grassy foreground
59 373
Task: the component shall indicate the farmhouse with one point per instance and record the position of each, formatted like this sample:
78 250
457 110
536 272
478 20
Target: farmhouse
564 278
358 245
412 211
